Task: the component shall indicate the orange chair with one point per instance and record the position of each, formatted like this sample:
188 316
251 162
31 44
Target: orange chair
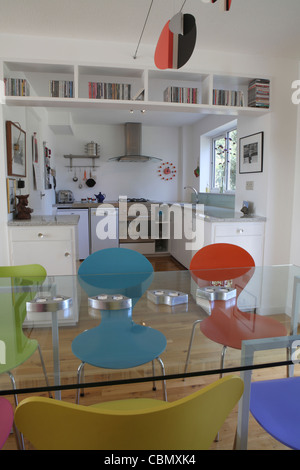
227 325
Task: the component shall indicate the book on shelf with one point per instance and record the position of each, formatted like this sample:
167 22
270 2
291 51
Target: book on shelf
16 87
259 93
139 96
61 88
174 94
109 91
228 97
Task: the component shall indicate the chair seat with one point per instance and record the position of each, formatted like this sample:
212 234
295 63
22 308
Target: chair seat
6 420
119 348
230 327
15 356
276 407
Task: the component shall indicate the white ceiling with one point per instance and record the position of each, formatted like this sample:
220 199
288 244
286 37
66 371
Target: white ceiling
266 26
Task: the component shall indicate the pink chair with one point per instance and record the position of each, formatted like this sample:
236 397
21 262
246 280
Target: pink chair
6 420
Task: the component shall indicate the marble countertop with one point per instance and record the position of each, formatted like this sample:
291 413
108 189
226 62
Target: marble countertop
35 220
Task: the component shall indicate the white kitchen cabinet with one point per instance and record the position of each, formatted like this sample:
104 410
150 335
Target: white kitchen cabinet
53 247
248 235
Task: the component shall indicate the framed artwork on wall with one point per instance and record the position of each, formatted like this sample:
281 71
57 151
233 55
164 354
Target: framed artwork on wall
11 194
251 153
16 149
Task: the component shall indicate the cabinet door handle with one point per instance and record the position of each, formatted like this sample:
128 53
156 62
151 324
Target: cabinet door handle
240 230
40 235
67 254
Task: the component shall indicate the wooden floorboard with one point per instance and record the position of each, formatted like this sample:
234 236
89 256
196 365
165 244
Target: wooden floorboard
258 439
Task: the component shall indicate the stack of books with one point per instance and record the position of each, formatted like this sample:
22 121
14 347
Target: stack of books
259 93
228 98
16 87
109 91
61 89
174 94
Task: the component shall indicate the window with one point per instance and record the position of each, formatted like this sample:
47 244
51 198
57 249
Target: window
224 149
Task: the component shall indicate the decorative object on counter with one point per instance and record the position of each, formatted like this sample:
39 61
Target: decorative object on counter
100 197
251 153
16 149
245 208
167 297
23 212
167 171
11 194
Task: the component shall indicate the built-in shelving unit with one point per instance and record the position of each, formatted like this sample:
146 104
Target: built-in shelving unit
39 77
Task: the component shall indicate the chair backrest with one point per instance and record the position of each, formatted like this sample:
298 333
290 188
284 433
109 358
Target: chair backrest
188 423
14 295
6 420
116 270
221 261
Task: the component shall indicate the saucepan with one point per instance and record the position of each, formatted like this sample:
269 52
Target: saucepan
90 182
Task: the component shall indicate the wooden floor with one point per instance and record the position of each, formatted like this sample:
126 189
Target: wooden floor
258 439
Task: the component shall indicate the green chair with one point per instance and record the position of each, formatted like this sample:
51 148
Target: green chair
18 285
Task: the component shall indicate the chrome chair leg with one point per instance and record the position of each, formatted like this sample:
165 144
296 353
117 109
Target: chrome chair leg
224 349
164 382
190 345
80 371
44 370
153 373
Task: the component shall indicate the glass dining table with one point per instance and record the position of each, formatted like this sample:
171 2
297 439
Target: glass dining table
149 327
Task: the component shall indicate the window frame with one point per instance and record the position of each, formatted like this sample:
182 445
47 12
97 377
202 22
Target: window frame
224 135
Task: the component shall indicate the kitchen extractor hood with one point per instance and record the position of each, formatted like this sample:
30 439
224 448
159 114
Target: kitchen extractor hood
133 142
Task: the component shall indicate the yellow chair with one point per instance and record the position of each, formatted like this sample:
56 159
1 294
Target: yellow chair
189 423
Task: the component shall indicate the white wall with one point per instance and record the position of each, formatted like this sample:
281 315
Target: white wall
116 178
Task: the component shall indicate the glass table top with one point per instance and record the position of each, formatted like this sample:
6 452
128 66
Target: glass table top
182 318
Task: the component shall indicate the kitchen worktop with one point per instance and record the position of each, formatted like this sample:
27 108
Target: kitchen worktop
210 214
54 220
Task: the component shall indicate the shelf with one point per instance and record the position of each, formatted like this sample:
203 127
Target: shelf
153 81
85 157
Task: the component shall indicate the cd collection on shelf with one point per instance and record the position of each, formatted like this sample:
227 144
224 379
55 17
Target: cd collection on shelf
228 98
61 88
109 91
16 87
259 93
174 94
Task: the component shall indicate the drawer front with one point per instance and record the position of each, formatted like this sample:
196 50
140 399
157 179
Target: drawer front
242 229
40 233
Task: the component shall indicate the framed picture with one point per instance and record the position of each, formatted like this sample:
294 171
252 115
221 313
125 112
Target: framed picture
16 149
251 153
11 194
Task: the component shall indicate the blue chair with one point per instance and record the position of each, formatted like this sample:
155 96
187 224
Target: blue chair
117 342
275 406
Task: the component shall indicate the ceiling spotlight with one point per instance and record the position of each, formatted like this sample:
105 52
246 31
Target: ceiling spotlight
143 111
131 111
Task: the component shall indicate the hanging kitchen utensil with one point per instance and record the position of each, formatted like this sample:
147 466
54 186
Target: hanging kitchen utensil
90 182
75 177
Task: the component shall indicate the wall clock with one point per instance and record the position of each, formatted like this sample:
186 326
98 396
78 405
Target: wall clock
167 171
